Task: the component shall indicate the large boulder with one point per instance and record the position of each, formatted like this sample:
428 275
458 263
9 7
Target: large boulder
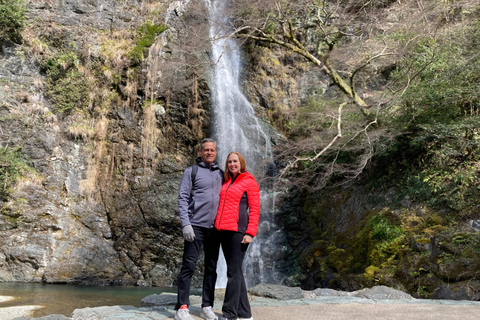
276 291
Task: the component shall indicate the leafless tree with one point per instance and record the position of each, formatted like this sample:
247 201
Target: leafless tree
341 39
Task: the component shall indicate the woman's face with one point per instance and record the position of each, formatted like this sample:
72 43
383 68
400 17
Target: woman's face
234 164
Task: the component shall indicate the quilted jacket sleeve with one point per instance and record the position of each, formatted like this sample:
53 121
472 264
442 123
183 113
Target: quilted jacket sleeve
253 194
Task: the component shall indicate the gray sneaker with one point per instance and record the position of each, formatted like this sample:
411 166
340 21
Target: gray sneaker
183 314
207 313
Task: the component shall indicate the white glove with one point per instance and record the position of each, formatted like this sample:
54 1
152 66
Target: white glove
188 233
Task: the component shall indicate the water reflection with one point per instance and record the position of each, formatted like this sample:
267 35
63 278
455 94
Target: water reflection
63 299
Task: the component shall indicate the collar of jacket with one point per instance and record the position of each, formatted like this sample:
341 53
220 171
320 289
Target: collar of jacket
240 175
214 165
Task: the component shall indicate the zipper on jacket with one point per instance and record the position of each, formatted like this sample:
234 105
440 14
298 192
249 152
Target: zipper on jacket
225 198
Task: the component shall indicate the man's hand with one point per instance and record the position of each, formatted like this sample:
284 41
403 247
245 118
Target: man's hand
188 233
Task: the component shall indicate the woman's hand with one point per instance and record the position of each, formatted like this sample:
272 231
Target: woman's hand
247 238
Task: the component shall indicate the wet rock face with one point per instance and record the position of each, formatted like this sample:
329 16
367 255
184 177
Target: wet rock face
102 210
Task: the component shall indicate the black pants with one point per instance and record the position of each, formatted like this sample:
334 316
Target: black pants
209 240
236 302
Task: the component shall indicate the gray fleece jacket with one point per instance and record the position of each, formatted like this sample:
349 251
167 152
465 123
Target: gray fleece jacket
198 202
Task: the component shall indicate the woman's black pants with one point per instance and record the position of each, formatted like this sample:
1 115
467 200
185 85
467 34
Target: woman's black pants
236 302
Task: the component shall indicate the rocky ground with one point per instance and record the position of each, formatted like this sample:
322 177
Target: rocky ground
279 302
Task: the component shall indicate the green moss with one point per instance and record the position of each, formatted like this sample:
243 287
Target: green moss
69 93
21 200
66 86
59 65
339 259
12 19
311 253
369 274
145 38
413 250
383 228
424 241
466 244
270 27
435 218
12 168
433 230
149 102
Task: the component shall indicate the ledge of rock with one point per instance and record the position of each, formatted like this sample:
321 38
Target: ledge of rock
381 292
277 291
165 299
323 292
280 292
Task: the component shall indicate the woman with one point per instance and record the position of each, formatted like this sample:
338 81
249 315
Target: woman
237 220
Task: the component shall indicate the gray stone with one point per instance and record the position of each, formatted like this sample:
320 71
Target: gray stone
464 290
47 317
321 292
54 317
475 225
276 291
449 293
99 312
381 292
164 299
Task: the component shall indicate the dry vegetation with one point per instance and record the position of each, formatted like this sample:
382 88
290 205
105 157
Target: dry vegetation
359 46
89 77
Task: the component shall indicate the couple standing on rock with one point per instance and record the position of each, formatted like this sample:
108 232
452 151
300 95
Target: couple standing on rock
217 207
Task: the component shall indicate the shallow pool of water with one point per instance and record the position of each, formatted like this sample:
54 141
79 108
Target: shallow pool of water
63 299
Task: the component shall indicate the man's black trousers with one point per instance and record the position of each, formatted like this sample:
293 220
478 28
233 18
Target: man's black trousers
207 239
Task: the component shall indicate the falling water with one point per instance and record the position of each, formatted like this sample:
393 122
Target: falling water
236 128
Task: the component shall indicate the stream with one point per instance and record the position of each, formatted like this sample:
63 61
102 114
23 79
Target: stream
64 298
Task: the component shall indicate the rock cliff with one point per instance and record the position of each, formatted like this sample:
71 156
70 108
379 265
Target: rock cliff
108 137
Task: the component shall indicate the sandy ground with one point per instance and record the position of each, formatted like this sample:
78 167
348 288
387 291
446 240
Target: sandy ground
9 313
5 298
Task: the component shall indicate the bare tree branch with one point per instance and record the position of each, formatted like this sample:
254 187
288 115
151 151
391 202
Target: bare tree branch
328 146
319 32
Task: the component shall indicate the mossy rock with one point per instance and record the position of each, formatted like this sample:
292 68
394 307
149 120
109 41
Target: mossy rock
462 269
434 230
369 274
313 252
412 223
339 259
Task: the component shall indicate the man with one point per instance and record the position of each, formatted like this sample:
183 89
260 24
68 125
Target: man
198 199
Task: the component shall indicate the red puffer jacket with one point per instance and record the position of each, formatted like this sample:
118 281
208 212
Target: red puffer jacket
237 197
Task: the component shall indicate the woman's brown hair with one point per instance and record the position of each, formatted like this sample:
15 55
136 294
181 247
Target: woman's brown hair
243 164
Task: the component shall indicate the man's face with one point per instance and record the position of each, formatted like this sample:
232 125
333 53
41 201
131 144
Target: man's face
208 152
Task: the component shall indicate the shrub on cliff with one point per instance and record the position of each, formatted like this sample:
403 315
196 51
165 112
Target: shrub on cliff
66 85
12 167
145 38
12 16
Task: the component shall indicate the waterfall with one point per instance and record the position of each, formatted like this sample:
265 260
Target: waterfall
236 128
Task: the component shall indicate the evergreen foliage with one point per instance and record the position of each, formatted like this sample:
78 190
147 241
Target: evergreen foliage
12 168
435 160
145 38
12 19
66 86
